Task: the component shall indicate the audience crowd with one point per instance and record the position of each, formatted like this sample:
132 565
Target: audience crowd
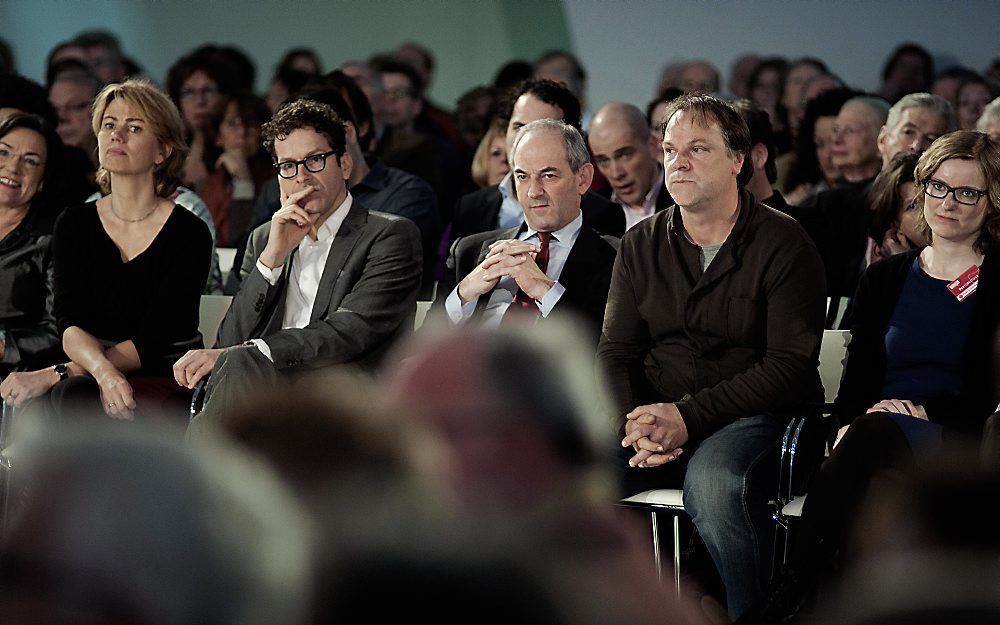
622 297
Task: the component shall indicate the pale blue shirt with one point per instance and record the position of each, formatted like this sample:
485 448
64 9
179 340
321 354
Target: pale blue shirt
503 294
511 213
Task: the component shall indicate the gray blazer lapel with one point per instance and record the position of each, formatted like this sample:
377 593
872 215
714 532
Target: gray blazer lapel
342 248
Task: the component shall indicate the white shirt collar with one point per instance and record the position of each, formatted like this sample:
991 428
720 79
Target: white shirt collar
649 202
332 224
566 235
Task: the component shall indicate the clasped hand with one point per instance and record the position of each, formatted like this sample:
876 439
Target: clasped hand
507 257
656 433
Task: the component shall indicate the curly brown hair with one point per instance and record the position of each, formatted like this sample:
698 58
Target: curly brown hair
305 114
967 145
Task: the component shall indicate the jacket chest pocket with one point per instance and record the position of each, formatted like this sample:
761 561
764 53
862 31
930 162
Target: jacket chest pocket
746 322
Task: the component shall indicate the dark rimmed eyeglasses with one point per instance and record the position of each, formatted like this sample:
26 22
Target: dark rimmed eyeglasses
963 195
315 164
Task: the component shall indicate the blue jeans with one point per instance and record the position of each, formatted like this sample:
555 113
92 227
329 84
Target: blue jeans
728 479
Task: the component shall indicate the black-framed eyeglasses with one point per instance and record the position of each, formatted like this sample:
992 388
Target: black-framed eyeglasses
315 164
963 195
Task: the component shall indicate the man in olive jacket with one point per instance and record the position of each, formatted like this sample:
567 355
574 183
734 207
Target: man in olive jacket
711 336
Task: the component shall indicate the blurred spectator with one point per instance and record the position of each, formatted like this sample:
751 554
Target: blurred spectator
237 164
670 76
766 84
910 69
551 504
21 94
475 111
432 120
127 525
489 164
989 121
236 61
699 77
799 73
303 60
563 67
512 73
104 55
739 75
855 150
63 51
654 114
196 83
287 81
71 92
811 171
946 83
971 97
895 226
992 72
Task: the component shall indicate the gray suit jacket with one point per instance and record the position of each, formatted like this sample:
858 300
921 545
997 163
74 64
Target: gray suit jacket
367 295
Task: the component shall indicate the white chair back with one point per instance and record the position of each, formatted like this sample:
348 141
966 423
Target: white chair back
210 313
832 356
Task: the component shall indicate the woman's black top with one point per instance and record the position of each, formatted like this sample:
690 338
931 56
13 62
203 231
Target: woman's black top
152 300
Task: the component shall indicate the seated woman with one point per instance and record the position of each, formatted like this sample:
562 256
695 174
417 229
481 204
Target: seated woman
30 160
130 267
921 362
489 164
237 165
895 226
196 83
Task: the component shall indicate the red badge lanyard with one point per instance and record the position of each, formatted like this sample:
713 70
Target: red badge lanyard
965 285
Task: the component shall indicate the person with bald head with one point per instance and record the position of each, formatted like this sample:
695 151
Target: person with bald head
549 263
626 153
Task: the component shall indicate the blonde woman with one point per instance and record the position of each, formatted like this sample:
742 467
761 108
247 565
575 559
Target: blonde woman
129 267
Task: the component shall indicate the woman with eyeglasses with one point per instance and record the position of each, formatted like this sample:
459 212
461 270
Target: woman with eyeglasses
196 83
920 367
238 166
895 226
30 169
129 268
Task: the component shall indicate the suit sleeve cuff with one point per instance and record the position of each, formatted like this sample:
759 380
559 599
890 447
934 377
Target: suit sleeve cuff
262 346
550 299
458 312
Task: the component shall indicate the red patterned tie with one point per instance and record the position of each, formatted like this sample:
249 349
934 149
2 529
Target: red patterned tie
523 306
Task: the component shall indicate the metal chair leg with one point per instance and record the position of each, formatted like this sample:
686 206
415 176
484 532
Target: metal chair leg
656 545
677 554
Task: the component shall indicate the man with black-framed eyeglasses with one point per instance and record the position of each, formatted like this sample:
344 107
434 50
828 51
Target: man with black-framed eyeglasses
325 281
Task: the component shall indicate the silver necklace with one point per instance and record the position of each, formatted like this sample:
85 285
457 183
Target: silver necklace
132 221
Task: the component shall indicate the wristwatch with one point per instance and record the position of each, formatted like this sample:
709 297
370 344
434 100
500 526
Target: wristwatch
62 370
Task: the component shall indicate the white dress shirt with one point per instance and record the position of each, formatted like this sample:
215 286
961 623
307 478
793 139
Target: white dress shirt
306 271
503 294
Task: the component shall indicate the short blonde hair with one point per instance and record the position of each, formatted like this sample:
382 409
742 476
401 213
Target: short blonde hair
966 145
482 155
164 120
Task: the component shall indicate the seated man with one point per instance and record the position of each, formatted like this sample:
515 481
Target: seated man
325 281
551 261
496 207
624 151
711 335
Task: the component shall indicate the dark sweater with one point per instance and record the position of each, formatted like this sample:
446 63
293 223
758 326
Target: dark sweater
864 377
742 339
151 300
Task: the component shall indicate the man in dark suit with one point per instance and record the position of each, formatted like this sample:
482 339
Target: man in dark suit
496 207
624 151
325 281
550 262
